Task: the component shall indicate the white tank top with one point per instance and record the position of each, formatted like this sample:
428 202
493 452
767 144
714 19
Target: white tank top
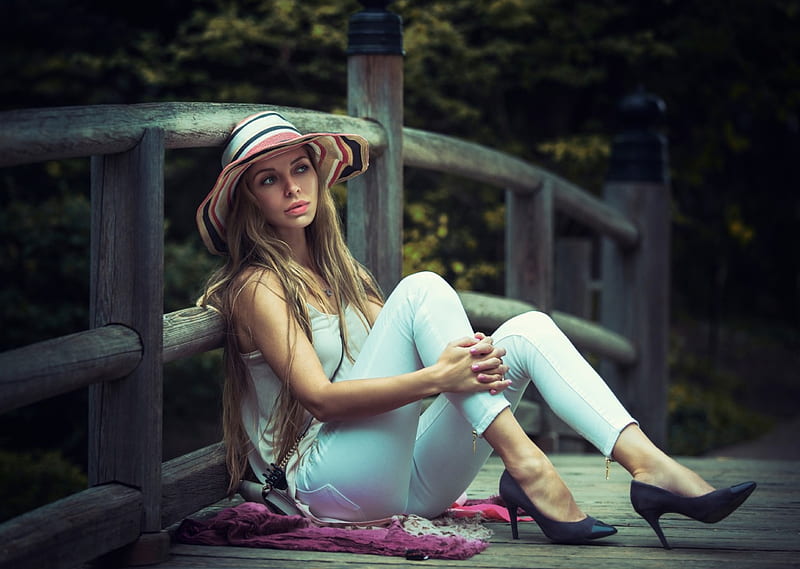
258 404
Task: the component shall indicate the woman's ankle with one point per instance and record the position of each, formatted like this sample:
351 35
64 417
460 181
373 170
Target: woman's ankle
649 464
530 468
545 488
676 478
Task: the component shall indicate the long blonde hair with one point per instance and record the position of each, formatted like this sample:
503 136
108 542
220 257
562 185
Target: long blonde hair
253 246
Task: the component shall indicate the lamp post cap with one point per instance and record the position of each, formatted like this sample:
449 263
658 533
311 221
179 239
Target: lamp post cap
375 30
641 109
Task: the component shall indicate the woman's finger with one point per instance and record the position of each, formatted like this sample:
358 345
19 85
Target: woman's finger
499 387
491 376
487 365
465 342
487 351
484 347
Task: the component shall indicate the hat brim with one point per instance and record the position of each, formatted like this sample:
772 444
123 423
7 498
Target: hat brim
338 157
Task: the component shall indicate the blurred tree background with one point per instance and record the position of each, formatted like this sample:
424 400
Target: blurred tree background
536 78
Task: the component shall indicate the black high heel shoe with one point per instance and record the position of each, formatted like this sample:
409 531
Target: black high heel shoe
558 532
651 502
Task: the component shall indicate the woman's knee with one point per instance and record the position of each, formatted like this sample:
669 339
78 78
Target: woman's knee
426 283
424 279
526 324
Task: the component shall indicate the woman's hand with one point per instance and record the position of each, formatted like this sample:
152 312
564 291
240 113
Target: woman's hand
470 365
490 364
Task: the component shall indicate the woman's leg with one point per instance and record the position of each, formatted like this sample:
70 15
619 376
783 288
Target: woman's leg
578 395
538 350
361 470
450 447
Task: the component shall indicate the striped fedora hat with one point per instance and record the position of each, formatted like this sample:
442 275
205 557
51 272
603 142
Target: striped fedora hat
338 158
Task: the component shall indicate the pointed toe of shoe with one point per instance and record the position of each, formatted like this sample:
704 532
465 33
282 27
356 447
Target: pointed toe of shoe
744 489
576 533
728 500
601 529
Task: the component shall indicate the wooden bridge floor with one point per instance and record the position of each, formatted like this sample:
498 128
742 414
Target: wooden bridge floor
764 532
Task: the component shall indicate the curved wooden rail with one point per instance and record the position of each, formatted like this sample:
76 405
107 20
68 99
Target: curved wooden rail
46 369
487 312
35 135
447 154
191 482
57 133
39 371
60 534
195 330
191 331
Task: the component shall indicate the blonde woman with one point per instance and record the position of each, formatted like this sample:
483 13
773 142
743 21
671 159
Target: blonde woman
325 380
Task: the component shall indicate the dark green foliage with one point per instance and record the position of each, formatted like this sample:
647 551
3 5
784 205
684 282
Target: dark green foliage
538 78
32 479
707 409
186 267
44 243
454 227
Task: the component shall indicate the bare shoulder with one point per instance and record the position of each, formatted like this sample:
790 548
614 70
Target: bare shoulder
259 292
258 281
260 309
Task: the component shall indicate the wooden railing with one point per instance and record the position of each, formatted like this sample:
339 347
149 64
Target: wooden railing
133 496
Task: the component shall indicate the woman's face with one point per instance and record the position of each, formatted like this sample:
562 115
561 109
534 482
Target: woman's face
286 189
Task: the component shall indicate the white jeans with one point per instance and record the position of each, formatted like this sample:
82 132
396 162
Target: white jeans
404 462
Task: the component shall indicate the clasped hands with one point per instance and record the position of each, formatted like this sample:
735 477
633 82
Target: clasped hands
475 364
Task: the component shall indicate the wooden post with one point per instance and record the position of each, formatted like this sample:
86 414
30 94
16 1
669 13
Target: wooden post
635 283
573 276
375 91
529 277
127 287
571 294
529 246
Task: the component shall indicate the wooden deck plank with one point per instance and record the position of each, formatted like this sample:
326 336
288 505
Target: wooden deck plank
562 560
763 533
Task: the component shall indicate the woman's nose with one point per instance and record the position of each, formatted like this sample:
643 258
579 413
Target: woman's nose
292 187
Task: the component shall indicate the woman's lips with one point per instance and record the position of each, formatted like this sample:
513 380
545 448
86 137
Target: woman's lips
298 208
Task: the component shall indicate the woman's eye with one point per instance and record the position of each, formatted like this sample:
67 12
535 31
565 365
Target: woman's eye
268 181
302 168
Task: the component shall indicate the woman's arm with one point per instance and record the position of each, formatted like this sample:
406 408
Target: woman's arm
263 323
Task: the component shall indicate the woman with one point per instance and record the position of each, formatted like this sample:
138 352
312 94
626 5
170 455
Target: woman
326 380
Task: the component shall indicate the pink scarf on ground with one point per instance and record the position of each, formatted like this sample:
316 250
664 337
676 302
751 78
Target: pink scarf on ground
252 525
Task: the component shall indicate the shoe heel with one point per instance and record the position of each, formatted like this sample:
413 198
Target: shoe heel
512 516
652 518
